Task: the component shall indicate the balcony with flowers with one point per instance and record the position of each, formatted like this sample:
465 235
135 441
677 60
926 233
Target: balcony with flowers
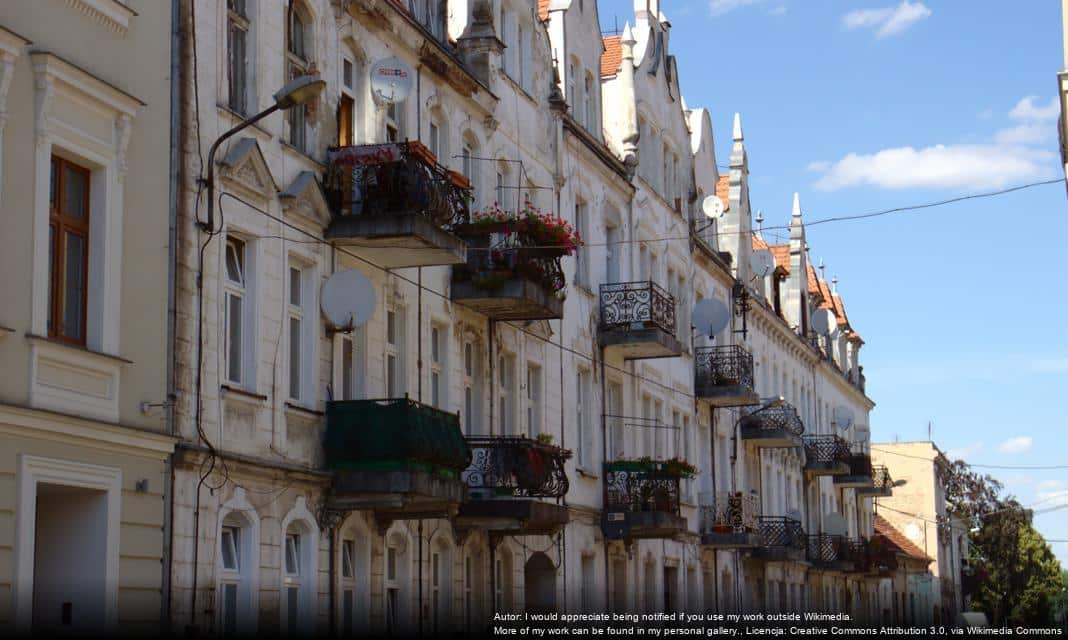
833 552
395 206
514 486
513 267
641 498
730 521
638 320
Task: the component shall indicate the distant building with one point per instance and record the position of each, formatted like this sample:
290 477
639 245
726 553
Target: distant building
911 595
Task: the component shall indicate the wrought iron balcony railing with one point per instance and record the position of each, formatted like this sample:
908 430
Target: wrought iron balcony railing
827 450
782 533
640 485
881 479
637 305
879 556
781 418
394 434
722 366
395 179
731 512
517 467
831 550
860 465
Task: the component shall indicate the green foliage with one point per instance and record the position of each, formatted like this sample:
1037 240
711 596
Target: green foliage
1019 578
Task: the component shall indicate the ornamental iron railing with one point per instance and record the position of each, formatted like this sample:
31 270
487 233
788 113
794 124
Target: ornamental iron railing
784 533
782 417
635 486
517 467
827 449
497 255
731 512
637 305
722 366
395 179
881 479
860 464
830 549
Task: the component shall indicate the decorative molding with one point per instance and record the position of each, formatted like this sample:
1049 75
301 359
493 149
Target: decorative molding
304 199
245 169
123 129
72 380
83 432
110 13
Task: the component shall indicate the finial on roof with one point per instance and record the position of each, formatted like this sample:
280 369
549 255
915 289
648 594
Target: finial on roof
738 137
760 220
823 267
834 285
797 205
628 35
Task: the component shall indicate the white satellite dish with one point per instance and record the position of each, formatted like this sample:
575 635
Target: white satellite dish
821 321
711 316
391 80
713 207
347 300
761 263
843 417
834 524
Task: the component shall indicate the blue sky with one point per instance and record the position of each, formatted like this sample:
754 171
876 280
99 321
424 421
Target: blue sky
862 106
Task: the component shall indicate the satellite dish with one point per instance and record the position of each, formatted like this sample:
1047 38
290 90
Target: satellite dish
761 263
794 514
711 316
834 524
821 321
843 417
347 299
391 80
713 207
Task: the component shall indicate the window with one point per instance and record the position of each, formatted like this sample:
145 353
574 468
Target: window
533 400
502 32
68 253
393 115
500 189
291 583
352 366
230 547
521 56
434 140
472 388
230 578
426 12
467 165
438 385
582 417
582 262
298 63
572 92
392 583
236 313
395 347
347 115
436 598
590 91
506 364
348 558
301 334
237 55
587 597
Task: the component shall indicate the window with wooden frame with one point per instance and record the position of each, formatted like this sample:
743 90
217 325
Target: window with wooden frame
68 251
299 48
237 44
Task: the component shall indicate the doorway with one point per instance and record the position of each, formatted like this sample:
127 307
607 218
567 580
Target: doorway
539 583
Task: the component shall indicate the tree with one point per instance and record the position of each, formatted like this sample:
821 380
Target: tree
1018 575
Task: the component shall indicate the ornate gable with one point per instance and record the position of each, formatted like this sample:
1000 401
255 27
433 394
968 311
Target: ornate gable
303 199
244 169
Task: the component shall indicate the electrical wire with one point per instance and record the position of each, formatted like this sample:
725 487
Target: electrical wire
979 466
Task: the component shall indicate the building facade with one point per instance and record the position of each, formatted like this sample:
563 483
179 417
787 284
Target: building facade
84 438
431 350
918 509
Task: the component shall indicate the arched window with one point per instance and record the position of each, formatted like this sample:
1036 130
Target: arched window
355 589
438 135
299 62
237 567
474 590
395 581
539 578
300 552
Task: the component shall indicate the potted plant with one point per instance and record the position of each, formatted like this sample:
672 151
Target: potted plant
545 438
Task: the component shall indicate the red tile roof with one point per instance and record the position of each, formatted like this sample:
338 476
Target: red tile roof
612 57
825 293
839 310
723 189
543 9
782 256
813 284
758 243
898 540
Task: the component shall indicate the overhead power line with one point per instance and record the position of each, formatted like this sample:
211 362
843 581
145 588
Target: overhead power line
980 466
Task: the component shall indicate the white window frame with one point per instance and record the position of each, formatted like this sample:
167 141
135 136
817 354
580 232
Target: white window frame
247 576
245 291
298 134
35 470
583 418
305 580
582 257
396 382
350 384
506 393
439 351
472 402
534 399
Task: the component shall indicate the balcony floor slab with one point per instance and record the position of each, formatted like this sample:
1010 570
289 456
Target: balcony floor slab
641 344
396 241
516 299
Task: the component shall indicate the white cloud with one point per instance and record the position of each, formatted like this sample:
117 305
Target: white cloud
1027 111
1036 122
720 7
1019 444
965 452
819 166
1048 485
959 165
887 21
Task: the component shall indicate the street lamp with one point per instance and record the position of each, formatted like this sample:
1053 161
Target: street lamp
296 92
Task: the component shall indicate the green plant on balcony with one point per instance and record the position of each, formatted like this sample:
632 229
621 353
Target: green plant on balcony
545 438
551 235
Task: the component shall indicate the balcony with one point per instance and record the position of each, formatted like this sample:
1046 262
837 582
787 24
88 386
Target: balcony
781 539
832 552
394 206
398 457
731 522
505 480
882 485
860 473
826 456
641 500
773 427
879 558
505 280
638 320
723 376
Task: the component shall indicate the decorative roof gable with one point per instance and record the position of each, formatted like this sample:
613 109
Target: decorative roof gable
304 199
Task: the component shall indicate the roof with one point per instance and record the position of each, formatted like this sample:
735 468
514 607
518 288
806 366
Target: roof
758 243
898 541
612 58
781 252
813 284
723 184
543 9
839 310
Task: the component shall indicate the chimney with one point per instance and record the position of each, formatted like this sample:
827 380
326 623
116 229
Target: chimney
479 47
795 296
626 89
